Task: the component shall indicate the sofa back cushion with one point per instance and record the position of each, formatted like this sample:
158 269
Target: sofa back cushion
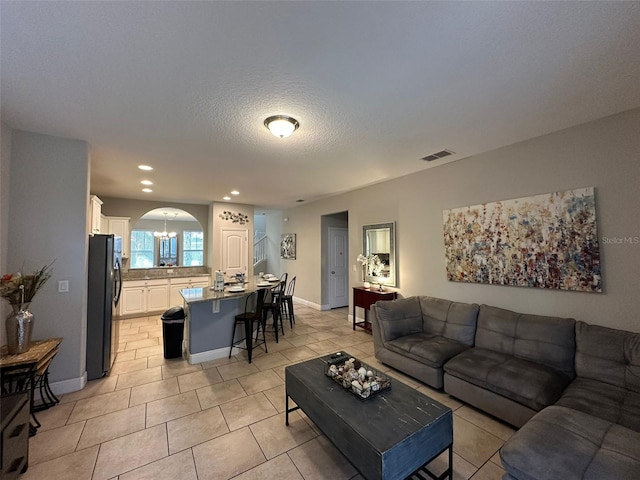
608 355
453 320
546 340
398 318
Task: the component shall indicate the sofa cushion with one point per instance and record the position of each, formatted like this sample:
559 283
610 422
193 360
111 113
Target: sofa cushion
608 355
540 339
399 317
529 383
454 320
432 350
561 443
603 400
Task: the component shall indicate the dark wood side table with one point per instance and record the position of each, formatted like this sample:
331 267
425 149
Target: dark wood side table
364 298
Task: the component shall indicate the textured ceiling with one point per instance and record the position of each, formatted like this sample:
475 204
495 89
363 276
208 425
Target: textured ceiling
185 86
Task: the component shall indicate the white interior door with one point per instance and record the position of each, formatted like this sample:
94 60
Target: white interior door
235 250
338 267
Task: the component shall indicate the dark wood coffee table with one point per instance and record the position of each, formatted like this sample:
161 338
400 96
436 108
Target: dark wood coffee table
388 436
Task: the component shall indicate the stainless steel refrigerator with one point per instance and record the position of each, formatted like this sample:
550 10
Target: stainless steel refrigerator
105 286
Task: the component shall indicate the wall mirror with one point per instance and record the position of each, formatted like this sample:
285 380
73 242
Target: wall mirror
167 237
380 240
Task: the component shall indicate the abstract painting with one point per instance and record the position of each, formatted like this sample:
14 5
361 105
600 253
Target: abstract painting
544 241
288 246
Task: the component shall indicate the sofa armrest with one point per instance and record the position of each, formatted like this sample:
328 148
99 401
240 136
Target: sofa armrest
394 319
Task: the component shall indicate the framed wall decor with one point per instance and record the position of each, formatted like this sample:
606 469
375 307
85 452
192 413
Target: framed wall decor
288 246
543 241
379 252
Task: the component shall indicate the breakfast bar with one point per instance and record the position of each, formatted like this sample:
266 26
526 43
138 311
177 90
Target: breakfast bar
210 318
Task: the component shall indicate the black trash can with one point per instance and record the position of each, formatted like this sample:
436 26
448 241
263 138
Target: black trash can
173 331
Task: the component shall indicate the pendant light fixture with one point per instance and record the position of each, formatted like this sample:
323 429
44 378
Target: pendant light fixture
164 234
281 125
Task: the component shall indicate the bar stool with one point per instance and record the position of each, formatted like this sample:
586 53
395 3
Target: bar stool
249 319
287 302
274 305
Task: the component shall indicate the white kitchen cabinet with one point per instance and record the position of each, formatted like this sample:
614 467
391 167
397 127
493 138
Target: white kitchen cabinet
95 209
104 224
157 297
177 284
140 297
132 300
120 226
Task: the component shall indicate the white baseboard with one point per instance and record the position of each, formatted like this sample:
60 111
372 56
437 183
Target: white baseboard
307 303
210 355
68 386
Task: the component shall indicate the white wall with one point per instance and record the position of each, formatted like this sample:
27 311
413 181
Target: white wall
604 154
49 198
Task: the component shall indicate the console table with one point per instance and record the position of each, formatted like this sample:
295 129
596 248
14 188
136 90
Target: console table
364 298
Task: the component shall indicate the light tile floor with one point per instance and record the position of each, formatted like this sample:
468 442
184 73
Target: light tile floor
156 419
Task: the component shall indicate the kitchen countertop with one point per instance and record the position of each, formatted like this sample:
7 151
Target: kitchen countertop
199 295
164 273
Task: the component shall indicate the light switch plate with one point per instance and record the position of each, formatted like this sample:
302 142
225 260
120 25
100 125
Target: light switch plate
63 286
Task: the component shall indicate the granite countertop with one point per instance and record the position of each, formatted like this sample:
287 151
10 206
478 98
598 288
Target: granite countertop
199 295
165 272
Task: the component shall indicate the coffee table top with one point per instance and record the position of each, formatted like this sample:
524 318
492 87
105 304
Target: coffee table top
384 419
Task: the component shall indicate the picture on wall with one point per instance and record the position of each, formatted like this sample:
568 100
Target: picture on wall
288 246
544 241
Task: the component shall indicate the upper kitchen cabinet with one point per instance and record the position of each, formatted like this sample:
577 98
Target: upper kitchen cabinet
95 207
120 226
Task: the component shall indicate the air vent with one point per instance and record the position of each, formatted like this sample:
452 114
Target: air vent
437 155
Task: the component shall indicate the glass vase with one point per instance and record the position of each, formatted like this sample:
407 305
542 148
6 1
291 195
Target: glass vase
19 325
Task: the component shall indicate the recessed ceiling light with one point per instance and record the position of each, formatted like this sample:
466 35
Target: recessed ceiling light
147 190
227 198
146 182
235 192
145 167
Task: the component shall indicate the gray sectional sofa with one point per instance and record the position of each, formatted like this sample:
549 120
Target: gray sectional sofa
418 335
573 388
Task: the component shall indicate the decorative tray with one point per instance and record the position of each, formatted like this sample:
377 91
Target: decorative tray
355 376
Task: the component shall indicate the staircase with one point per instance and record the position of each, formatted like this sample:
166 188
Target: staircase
259 251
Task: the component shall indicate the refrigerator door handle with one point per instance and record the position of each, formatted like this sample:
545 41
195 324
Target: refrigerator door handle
118 282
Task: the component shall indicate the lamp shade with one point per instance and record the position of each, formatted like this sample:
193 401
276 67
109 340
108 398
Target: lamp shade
281 125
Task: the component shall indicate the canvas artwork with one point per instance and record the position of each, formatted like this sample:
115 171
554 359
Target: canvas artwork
544 241
288 246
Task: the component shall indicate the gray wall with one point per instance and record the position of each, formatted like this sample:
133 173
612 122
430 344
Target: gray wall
603 154
48 214
275 226
5 161
126 207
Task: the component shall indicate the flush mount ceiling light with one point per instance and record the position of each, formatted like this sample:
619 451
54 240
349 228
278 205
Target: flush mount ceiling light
281 125
146 168
146 182
147 190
